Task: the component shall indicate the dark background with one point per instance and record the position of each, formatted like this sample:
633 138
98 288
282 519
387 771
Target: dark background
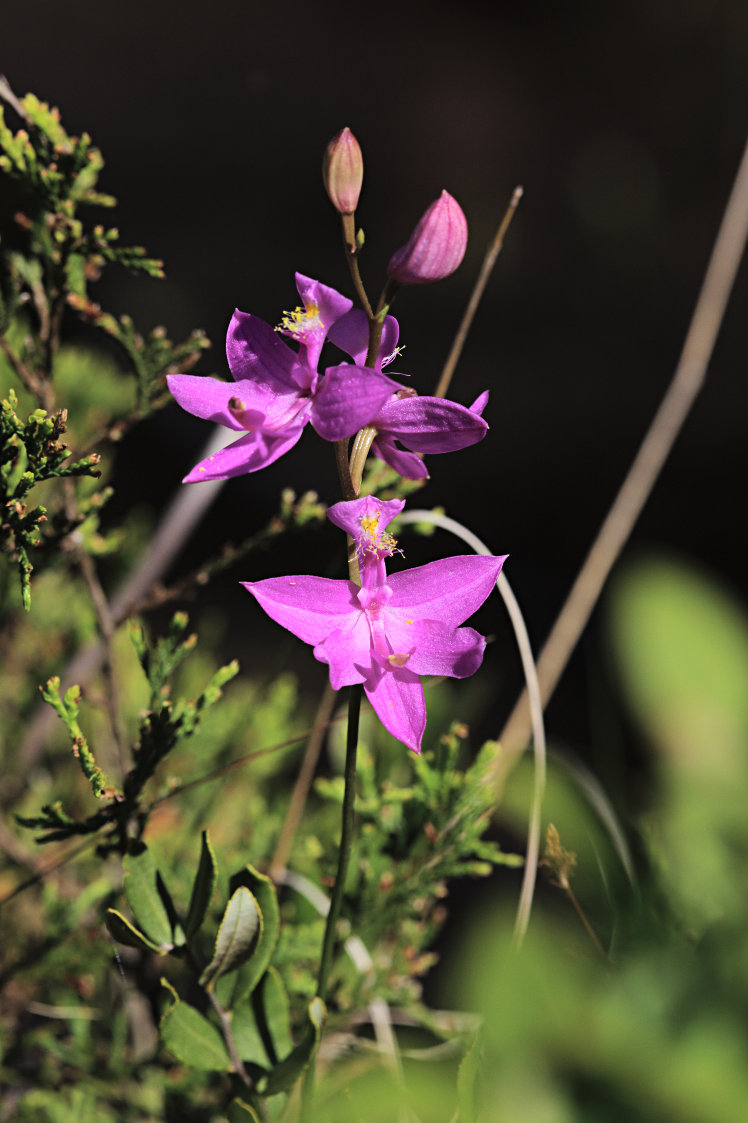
625 123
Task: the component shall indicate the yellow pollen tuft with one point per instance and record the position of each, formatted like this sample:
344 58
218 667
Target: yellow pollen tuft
301 322
372 540
397 660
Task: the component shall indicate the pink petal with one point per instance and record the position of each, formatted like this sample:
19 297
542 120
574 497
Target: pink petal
407 464
448 590
250 453
204 397
263 406
397 699
351 334
331 306
426 424
347 653
254 351
436 648
310 607
377 512
350 396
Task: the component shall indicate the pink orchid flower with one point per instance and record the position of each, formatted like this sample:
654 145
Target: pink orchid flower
392 629
278 391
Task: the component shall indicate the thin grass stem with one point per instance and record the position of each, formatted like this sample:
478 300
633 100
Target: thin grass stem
529 878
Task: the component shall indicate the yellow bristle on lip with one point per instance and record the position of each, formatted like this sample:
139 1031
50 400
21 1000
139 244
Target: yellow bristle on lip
301 321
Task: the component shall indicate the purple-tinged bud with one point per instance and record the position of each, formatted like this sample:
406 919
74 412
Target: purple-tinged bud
343 171
435 248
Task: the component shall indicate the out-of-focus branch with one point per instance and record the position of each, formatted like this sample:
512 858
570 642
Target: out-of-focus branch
637 486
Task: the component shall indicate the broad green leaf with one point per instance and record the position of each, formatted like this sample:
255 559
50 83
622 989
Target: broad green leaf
682 646
145 899
121 930
247 1036
232 989
202 890
236 939
285 1074
192 1038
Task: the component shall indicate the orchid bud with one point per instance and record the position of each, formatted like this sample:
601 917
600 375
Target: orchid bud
435 248
343 171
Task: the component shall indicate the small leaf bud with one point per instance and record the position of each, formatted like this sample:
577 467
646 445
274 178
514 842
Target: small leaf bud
435 248
343 171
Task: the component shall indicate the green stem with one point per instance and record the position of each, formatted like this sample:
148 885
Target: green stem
344 855
351 256
346 840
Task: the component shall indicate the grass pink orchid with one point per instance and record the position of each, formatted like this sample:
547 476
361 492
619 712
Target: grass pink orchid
392 629
421 424
277 391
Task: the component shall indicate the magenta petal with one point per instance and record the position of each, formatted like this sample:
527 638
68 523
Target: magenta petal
310 607
351 334
204 397
436 648
480 402
347 653
428 424
250 453
406 464
379 512
449 590
397 699
330 304
348 399
254 351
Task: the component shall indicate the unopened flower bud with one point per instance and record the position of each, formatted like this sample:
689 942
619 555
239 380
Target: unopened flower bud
435 248
343 171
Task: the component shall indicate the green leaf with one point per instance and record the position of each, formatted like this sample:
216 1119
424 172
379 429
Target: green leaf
682 647
192 1038
682 643
202 890
271 1002
248 1038
235 941
145 899
285 1074
121 930
261 1028
233 989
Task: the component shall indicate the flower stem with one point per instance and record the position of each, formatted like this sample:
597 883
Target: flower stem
346 840
344 854
351 256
